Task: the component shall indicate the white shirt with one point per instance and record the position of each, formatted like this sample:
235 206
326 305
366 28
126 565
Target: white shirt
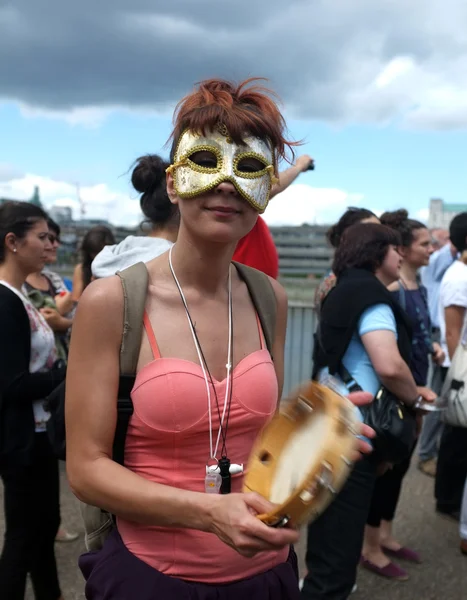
453 292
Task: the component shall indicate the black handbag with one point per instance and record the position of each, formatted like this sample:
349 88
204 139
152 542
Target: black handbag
393 422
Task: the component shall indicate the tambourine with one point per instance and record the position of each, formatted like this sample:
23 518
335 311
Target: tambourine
303 457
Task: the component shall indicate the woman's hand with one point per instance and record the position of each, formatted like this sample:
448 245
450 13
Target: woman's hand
234 522
438 354
64 302
426 395
54 319
360 399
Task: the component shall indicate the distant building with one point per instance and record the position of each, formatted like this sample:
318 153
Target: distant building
61 214
303 251
441 214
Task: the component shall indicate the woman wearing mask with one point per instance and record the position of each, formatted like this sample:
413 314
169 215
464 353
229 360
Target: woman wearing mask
28 467
203 350
256 249
380 545
368 345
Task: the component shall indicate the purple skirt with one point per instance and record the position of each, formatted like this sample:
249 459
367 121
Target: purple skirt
114 573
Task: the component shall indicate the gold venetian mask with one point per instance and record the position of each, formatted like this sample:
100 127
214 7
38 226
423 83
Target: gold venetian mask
202 163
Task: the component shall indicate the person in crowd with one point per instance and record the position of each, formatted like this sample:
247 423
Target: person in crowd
28 373
380 546
451 470
162 217
431 275
369 344
256 249
351 216
171 535
93 242
48 293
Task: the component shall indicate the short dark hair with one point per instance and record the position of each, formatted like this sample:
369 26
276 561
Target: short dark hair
364 246
400 221
18 218
351 216
458 232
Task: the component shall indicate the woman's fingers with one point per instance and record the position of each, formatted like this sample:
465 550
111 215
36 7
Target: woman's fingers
360 398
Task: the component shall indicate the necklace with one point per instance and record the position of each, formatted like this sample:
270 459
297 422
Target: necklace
217 475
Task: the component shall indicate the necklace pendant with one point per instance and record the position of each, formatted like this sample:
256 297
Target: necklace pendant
212 482
224 468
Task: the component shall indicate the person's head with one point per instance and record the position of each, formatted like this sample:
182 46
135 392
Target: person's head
54 237
351 216
24 236
227 141
458 232
372 247
93 242
149 179
439 237
416 247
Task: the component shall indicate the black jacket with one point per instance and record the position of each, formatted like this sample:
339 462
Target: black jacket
18 387
355 291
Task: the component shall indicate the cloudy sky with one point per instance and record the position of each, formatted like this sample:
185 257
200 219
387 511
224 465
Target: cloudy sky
377 91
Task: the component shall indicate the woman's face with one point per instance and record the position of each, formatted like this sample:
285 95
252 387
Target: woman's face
418 253
220 215
389 271
54 244
33 250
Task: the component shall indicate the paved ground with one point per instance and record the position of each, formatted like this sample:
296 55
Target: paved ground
442 576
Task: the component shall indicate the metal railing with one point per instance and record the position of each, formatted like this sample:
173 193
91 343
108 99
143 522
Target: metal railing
298 344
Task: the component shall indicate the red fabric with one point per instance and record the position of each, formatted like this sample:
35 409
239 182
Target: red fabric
257 250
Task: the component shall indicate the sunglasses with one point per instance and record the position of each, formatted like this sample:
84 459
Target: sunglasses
54 239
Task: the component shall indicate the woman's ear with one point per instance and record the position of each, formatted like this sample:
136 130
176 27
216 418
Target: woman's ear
172 194
11 242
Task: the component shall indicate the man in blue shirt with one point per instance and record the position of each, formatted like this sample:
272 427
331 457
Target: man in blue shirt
431 275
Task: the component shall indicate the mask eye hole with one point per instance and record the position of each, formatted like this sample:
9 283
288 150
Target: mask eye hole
204 158
249 164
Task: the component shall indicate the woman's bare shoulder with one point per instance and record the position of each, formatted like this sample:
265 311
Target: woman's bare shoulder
102 298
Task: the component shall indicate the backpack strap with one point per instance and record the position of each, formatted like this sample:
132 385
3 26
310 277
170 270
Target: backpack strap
134 282
264 300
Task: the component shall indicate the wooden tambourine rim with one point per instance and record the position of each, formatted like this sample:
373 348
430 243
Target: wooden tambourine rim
317 489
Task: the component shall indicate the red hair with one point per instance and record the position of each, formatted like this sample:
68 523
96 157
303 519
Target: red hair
243 109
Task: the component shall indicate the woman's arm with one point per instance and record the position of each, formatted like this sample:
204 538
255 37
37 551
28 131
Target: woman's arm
78 284
454 316
288 176
389 365
91 414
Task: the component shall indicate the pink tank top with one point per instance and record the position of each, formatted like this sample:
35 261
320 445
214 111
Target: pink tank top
168 443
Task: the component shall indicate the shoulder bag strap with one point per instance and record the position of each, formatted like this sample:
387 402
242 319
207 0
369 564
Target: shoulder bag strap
134 282
264 300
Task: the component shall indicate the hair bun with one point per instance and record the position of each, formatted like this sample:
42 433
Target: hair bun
395 219
148 172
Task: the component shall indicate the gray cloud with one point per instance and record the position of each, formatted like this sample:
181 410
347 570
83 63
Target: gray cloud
325 59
